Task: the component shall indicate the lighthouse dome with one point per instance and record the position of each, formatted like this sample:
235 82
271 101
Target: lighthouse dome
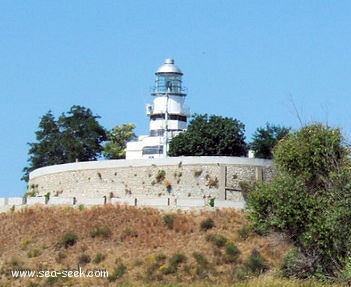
169 67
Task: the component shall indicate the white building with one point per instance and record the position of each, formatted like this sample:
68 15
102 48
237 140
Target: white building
168 115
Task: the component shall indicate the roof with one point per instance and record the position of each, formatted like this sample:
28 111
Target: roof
169 67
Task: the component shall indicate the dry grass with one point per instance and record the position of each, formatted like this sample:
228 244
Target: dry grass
136 247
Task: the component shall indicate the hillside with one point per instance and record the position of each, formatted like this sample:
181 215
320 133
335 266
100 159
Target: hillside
133 245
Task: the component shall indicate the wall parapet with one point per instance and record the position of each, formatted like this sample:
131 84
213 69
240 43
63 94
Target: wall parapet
186 160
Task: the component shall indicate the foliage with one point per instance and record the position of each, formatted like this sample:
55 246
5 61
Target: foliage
231 252
76 135
309 199
265 139
117 139
207 224
101 231
83 259
217 239
169 219
210 136
256 263
174 262
160 176
117 272
68 239
99 257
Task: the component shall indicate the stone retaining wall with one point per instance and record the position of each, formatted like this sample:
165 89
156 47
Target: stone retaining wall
180 177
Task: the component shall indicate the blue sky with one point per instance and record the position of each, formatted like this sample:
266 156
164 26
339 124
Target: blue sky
257 61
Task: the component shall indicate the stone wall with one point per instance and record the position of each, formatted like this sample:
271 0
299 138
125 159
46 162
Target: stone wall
179 177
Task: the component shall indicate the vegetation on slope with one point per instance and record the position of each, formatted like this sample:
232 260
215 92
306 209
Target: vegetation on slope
139 246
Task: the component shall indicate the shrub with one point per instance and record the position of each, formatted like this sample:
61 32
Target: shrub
99 257
217 240
69 239
174 262
245 231
256 263
296 265
232 252
160 176
33 253
84 259
117 272
177 259
309 199
207 224
101 231
168 219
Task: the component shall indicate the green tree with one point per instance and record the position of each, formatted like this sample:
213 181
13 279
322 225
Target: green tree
117 138
210 136
309 200
265 138
76 135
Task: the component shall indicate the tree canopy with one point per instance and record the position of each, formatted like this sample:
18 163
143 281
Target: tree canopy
309 200
265 138
76 135
117 138
210 136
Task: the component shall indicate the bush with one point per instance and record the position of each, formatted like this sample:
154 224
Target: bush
207 224
160 176
309 200
297 265
117 272
174 262
33 253
84 259
101 231
69 239
177 259
217 240
232 252
99 257
168 219
256 263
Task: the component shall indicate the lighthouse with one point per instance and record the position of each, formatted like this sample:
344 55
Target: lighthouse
167 115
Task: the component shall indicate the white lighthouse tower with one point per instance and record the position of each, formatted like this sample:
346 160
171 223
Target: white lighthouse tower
168 115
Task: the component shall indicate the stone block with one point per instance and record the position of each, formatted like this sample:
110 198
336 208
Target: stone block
3 201
153 201
90 200
36 200
14 201
190 202
229 204
123 201
61 200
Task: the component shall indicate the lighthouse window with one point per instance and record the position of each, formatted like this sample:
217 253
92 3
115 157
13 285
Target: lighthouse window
157 149
168 83
157 133
170 117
